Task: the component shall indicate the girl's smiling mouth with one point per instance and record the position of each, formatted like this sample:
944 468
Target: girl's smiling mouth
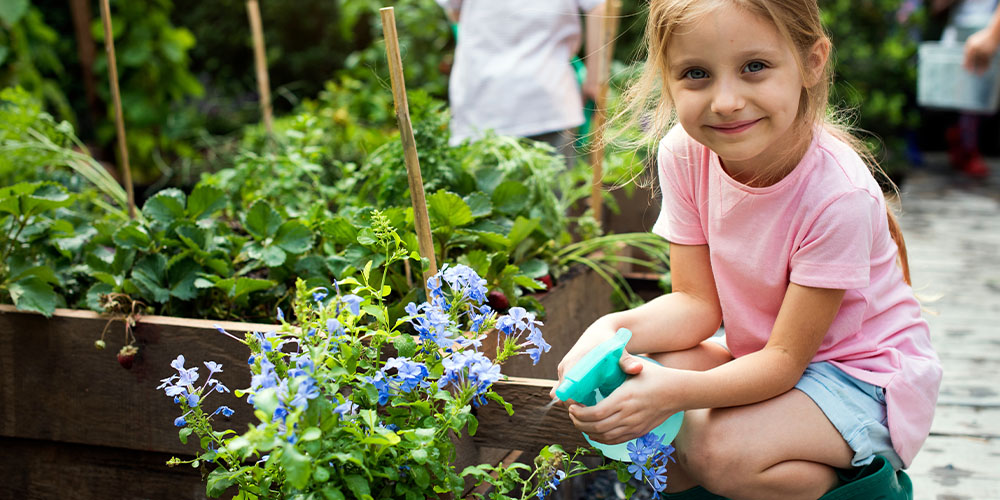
734 127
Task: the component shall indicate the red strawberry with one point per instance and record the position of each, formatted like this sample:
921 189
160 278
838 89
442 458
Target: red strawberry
498 301
127 355
547 281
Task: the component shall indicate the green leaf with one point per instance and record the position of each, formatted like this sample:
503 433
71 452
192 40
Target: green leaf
204 201
473 423
521 230
405 345
421 476
273 256
48 196
534 268
511 197
311 434
262 221
184 433
339 230
419 455
166 206
244 286
294 237
479 203
193 236
11 11
181 276
298 467
219 480
266 400
132 235
149 274
448 209
358 485
33 294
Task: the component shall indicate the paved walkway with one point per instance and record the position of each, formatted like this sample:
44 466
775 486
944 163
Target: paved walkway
952 230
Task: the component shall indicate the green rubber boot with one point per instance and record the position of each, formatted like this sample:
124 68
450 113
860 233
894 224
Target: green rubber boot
875 481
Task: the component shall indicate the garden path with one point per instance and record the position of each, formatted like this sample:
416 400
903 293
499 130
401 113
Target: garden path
952 229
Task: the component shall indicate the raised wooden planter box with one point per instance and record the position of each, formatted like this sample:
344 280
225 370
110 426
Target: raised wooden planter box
73 422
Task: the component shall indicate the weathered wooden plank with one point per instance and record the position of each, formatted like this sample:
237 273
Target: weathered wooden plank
58 387
956 467
47 470
533 423
952 420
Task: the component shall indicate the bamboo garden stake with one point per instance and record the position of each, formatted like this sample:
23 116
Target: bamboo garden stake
109 44
260 62
420 218
604 55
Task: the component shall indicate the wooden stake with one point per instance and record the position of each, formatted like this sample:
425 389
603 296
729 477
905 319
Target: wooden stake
109 44
420 218
260 62
604 56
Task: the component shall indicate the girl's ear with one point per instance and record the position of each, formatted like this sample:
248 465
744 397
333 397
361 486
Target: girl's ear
815 63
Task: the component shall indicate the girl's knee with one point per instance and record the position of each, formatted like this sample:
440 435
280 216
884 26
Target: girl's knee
710 454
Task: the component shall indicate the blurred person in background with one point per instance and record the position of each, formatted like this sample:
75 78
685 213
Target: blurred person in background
512 72
981 18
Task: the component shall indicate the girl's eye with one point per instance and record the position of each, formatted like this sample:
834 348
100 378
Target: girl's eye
754 67
696 74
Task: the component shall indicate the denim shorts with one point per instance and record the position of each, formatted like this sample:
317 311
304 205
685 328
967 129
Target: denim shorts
855 408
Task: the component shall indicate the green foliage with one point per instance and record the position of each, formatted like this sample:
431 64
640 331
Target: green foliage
28 234
875 71
28 55
152 60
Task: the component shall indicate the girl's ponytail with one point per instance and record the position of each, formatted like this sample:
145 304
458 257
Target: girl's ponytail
897 236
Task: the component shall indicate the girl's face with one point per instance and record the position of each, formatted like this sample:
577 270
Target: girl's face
735 84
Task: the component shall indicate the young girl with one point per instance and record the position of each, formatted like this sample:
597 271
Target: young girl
779 230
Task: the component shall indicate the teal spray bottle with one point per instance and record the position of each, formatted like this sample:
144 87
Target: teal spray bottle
595 377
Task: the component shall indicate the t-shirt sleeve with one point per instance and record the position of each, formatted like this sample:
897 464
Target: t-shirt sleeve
679 220
836 250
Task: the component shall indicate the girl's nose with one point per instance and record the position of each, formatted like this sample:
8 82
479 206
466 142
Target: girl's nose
728 98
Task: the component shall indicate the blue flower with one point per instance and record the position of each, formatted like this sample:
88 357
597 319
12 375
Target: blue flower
224 410
346 408
281 315
353 303
180 422
213 367
320 294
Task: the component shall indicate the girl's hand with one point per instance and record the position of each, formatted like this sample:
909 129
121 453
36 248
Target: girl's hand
597 332
635 408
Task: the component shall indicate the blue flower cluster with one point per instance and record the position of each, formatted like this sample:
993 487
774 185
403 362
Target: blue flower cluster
471 369
649 461
519 321
432 320
409 375
180 386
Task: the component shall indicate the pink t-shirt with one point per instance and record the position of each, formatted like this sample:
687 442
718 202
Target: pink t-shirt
823 225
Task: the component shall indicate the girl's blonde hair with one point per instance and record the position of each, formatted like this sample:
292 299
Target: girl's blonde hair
647 101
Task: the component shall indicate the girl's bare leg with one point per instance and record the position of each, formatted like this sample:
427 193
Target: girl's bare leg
784 447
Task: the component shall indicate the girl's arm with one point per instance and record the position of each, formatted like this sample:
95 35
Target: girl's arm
672 322
657 392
